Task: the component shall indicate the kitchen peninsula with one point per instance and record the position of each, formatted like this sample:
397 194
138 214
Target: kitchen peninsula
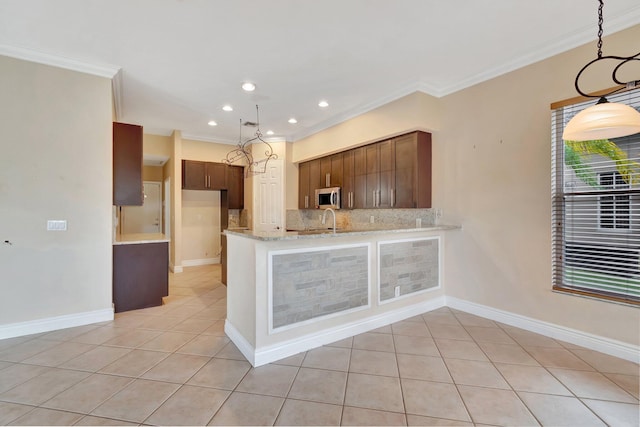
292 291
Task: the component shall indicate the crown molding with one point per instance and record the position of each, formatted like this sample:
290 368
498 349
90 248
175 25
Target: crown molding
207 138
108 71
562 44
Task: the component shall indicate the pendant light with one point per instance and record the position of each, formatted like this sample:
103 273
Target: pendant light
243 151
605 119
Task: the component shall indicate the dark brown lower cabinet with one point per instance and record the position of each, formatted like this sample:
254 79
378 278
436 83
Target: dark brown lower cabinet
140 275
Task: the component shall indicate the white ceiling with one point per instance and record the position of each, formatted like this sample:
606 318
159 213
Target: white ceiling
180 61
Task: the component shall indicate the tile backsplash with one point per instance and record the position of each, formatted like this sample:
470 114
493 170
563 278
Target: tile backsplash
361 219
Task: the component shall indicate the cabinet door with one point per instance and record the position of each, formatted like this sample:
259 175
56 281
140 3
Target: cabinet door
325 171
216 176
315 180
194 175
348 176
386 175
373 175
413 170
405 171
235 187
360 178
127 165
337 166
304 197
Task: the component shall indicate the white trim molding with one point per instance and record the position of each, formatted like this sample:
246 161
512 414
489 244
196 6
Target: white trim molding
594 342
261 356
102 70
53 323
196 262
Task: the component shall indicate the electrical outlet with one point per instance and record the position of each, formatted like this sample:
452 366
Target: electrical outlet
372 219
418 222
397 291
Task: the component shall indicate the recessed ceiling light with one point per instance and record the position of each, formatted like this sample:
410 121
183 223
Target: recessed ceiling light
212 123
227 108
293 121
248 86
269 132
323 104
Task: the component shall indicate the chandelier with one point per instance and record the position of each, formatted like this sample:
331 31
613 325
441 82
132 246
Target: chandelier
605 119
244 152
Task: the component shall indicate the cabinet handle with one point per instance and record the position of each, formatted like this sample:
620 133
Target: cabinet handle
205 181
393 198
209 181
374 198
306 201
327 180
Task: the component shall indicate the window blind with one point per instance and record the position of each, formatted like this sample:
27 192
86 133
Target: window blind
596 210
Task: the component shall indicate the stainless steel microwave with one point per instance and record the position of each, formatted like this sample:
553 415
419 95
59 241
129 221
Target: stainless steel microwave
328 198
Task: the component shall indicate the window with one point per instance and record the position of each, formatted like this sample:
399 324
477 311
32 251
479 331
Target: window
596 211
614 210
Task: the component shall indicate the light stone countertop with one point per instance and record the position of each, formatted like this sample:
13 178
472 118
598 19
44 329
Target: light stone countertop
322 234
138 238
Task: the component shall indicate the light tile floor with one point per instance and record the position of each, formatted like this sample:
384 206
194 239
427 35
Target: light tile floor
173 365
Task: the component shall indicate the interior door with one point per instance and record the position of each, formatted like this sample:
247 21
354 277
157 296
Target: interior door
148 217
268 207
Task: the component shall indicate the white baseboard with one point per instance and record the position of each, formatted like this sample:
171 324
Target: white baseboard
238 339
203 261
268 354
175 268
53 323
594 342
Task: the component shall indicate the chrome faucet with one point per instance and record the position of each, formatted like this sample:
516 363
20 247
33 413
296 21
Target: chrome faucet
324 217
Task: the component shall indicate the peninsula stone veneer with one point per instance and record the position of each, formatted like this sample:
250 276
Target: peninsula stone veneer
309 284
410 266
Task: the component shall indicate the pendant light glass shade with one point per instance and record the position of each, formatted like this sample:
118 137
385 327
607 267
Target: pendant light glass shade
604 120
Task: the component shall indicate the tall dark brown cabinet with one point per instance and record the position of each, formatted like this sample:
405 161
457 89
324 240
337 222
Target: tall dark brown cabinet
127 165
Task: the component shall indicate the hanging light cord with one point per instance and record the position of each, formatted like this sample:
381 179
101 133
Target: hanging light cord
614 75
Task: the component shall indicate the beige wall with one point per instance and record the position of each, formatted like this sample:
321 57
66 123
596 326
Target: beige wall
152 173
491 174
200 225
157 145
205 151
496 155
417 111
55 139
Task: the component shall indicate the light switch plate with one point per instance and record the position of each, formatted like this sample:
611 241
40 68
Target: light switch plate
57 225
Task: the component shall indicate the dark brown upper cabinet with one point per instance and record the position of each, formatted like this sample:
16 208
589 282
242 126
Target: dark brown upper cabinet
331 171
198 175
348 179
305 199
235 187
394 173
127 165
412 169
308 181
